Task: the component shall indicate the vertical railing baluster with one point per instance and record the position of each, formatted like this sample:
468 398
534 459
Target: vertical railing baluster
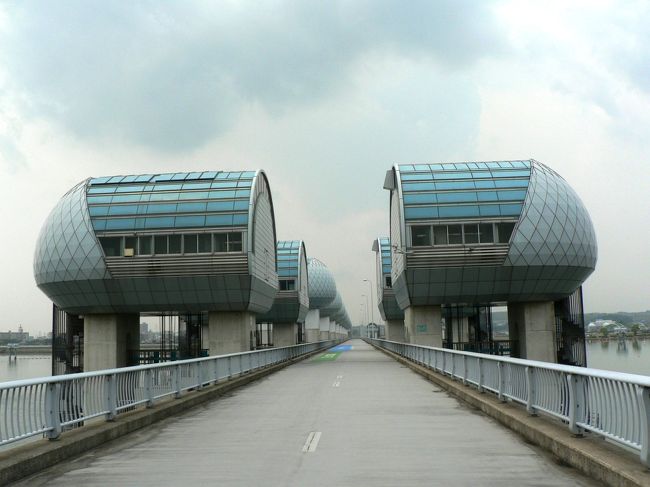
479 367
464 369
199 375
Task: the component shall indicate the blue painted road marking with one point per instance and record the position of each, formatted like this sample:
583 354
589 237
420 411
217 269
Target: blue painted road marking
341 348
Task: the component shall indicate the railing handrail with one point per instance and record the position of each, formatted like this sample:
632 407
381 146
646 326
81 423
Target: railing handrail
637 379
48 405
614 405
123 370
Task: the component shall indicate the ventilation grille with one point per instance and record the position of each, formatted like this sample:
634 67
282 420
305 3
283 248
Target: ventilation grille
177 266
457 256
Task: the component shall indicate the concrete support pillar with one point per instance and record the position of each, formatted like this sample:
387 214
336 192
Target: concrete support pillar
230 331
332 330
108 339
533 326
284 334
422 325
324 328
312 326
395 330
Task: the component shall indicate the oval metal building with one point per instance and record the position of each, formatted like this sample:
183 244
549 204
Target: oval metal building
114 247
474 234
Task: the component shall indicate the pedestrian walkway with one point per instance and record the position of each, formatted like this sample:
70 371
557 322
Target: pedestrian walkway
351 417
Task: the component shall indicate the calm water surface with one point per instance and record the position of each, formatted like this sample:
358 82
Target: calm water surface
632 356
25 367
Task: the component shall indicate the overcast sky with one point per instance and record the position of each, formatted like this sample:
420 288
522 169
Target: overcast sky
325 96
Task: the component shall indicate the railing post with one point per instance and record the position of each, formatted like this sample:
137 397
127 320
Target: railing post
479 366
531 390
577 403
444 362
110 391
643 396
53 410
229 367
502 382
177 381
148 387
435 360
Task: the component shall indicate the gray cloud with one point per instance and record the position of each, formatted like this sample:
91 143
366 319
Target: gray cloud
172 76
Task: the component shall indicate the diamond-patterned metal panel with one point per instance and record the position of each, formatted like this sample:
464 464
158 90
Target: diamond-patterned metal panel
322 288
554 228
67 249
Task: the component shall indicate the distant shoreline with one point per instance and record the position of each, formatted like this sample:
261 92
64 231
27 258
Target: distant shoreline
28 350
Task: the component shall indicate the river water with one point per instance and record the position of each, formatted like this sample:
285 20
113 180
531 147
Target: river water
632 356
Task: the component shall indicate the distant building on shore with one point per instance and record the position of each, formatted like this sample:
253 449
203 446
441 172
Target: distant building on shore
14 336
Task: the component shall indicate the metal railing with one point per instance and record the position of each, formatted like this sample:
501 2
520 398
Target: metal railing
610 404
48 405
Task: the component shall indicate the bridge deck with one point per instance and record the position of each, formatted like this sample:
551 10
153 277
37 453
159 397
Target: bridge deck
379 424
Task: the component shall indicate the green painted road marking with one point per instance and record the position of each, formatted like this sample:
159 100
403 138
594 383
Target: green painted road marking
327 357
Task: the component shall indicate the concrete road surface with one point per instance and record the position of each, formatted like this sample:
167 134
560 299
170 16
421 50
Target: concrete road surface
349 418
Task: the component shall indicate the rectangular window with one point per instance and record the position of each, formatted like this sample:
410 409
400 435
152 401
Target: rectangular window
486 231
205 243
455 234
420 236
287 285
160 243
174 244
504 231
190 244
234 242
471 233
144 245
130 246
440 235
221 242
112 246
389 281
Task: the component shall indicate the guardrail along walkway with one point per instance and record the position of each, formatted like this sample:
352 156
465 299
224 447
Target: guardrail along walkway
350 416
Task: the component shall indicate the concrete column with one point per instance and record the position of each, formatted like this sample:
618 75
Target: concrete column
332 330
312 326
108 338
395 330
533 326
423 326
324 328
230 331
284 334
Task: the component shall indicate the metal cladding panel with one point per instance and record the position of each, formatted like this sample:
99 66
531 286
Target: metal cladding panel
200 293
262 295
492 284
67 249
555 228
333 308
286 309
398 261
322 288
303 279
262 243
388 306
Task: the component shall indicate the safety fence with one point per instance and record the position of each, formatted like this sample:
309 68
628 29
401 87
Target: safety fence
610 404
48 405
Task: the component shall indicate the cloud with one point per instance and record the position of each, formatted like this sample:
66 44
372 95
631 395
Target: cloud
173 76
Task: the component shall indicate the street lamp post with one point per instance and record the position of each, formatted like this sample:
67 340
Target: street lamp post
367 313
372 306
